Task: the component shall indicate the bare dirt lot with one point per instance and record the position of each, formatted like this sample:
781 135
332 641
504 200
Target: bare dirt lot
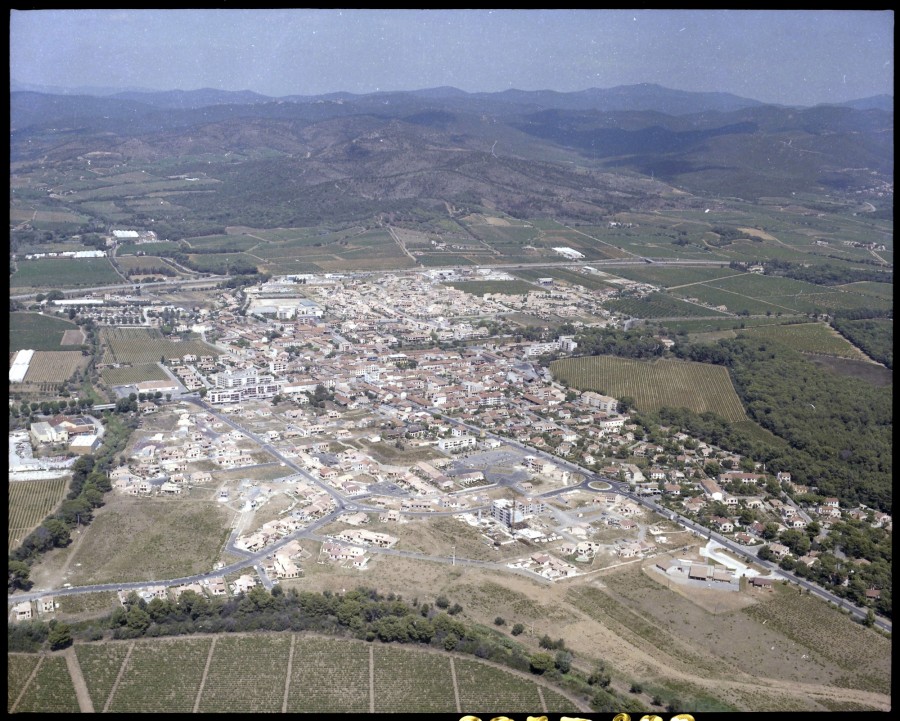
73 337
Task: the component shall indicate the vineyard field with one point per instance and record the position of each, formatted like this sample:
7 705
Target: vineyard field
54 366
100 664
230 689
19 667
414 678
161 676
337 682
144 346
659 305
483 686
671 276
699 387
30 502
247 672
51 690
807 338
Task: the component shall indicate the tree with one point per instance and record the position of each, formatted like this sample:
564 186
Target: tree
499 621
19 575
541 662
517 629
442 602
60 635
563 661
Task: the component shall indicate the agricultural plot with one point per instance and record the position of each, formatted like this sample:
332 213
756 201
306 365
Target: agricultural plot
100 664
483 287
58 218
18 669
143 346
162 676
878 290
831 300
38 332
52 273
694 327
699 387
161 248
337 682
408 679
732 301
558 703
221 263
443 259
145 264
50 368
659 305
30 502
134 374
671 276
223 243
482 687
230 685
51 690
807 338
131 190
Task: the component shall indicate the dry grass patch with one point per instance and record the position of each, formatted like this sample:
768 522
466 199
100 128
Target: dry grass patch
81 606
138 539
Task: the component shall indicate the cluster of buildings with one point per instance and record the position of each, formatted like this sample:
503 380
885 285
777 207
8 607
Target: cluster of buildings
80 434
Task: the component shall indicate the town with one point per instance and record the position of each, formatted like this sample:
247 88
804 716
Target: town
396 398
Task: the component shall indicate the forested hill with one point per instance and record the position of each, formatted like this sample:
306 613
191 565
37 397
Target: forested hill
839 429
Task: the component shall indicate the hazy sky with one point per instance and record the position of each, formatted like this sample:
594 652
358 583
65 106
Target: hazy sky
793 57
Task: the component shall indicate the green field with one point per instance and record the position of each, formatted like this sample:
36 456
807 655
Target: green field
144 346
699 387
247 673
52 273
133 374
38 332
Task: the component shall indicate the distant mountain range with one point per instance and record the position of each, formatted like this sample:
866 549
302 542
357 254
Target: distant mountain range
528 151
